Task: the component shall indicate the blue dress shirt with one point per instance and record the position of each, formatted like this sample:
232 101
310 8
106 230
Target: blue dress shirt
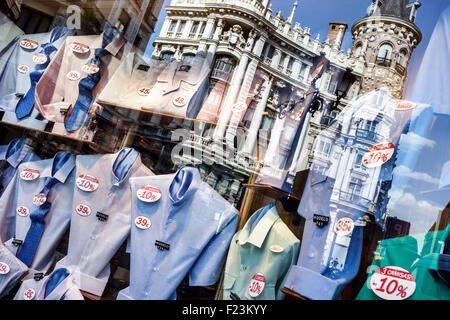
93 241
17 269
14 153
15 84
191 218
21 193
58 285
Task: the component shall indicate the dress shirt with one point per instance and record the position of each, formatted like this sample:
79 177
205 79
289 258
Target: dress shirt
21 193
404 252
191 218
58 285
133 75
93 242
14 153
9 33
270 249
329 261
16 269
180 88
56 93
15 84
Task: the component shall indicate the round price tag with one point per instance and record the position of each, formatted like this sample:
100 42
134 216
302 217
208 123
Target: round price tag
144 91
22 211
238 107
90 68
344 226
142 222
179 101
276 248
393 283
378 154
40 58
79 47
73 75
29 174
83 210
29 44
87 183
404 105
23 68
39 199
257 284
148 194
29 294
4 268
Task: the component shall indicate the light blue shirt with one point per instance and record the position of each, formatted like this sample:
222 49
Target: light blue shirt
93 242
193 219
15 84
15 152
21 193
12 272
59 285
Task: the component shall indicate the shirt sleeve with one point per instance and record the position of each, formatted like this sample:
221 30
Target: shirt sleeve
7 210
208 267
50 88
290 259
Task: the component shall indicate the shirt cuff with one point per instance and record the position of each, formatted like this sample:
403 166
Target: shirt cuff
124 294
29 122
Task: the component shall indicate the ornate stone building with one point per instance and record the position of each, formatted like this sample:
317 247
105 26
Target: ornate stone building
244 40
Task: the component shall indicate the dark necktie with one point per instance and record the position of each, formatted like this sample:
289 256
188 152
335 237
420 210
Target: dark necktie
3 166
34 234
87 85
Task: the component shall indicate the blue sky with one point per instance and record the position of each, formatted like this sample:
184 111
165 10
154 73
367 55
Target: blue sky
317 14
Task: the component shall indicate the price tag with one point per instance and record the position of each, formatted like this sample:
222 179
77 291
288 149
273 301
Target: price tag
238 107
83 210
23 68
29 174
276 248
90 68
4 268
29 294
142 222
39 199
179 101
257 284
29 44
87 183
378 154
73 75
22 211
148 194
144 91
79 47
404 105
40 58
393 283
344 226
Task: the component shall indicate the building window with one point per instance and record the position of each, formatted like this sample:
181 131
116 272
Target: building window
281 63
167 56
188 58
180 29
323 148
202 29
354 188
289 66
358 51
171 29
194 30
384 55
301 75
223 66
401 58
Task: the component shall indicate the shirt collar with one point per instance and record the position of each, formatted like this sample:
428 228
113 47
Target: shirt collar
113 48
126 159
259 233
18 155
58 292
65 169
184 184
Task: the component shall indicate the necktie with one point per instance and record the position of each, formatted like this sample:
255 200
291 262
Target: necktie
26 104
36 229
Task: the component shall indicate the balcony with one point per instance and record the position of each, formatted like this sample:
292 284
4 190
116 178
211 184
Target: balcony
368 134
384 62
359 172
178 34
353 199
192 35
400 69
169 34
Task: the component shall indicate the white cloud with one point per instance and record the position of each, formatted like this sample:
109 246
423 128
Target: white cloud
412 140
421 176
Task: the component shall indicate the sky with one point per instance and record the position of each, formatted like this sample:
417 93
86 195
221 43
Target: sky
316 14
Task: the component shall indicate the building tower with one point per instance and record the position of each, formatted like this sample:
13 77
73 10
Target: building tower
385 40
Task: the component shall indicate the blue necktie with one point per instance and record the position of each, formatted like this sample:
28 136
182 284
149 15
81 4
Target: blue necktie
36 229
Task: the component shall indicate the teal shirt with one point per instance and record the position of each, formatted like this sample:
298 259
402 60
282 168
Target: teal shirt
270 249
404 253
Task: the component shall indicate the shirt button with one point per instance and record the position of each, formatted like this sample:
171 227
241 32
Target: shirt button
311 255
146 293
170 220
155 269
93 237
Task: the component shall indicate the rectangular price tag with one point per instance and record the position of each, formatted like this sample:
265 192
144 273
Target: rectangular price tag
162 245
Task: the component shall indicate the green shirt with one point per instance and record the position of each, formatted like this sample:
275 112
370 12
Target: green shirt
268 252
404 253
